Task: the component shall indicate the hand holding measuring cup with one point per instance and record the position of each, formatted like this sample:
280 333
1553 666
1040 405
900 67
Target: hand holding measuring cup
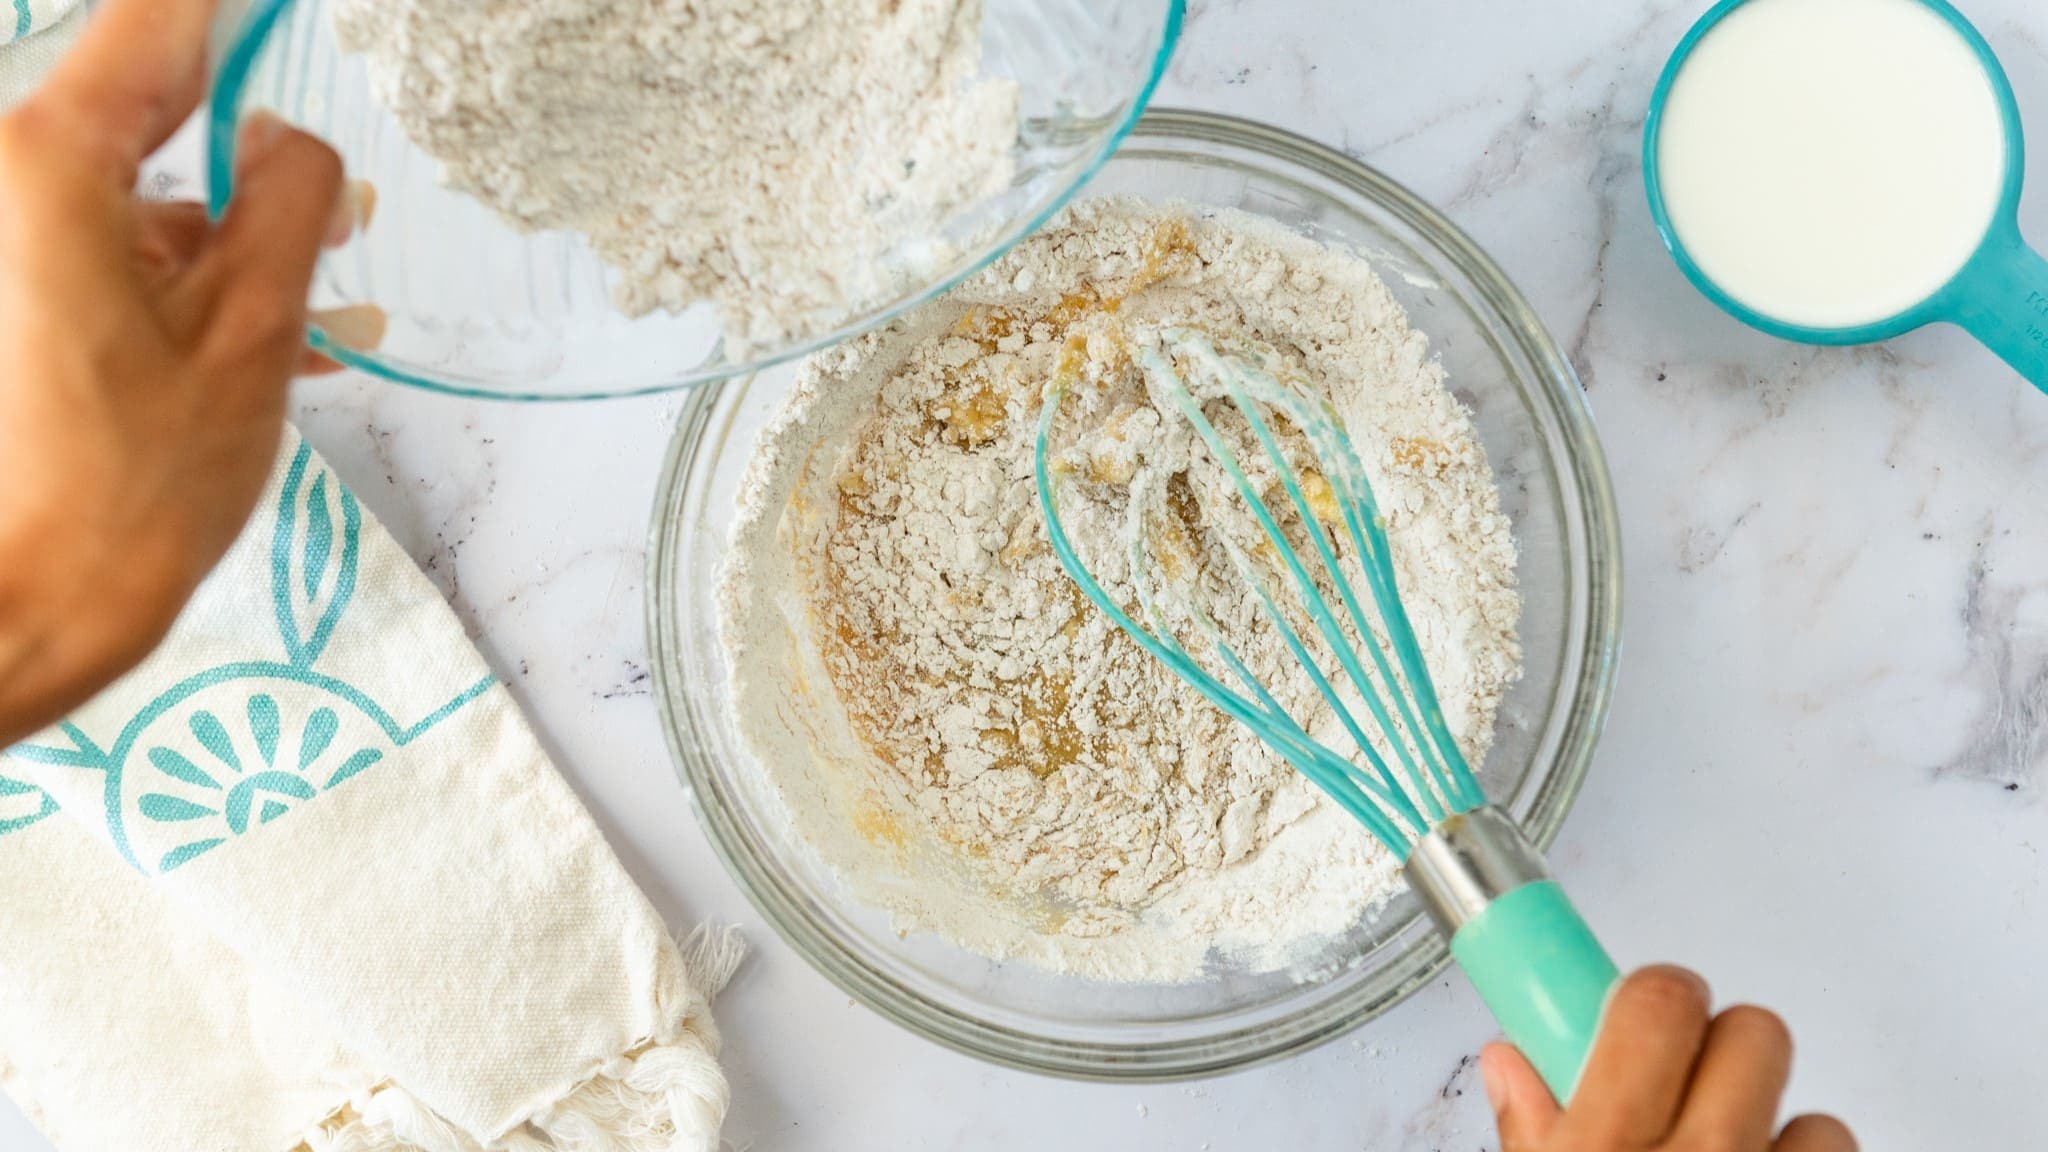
1845 171
144 353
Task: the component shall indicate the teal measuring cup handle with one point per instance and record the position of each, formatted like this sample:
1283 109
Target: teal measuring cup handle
2001 298
1544 976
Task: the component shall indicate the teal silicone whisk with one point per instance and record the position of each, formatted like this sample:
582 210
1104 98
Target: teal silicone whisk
1528 952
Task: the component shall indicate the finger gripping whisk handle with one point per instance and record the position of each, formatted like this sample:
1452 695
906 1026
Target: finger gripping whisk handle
1528 952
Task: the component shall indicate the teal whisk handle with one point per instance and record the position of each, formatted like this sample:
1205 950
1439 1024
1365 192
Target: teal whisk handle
1544 976
1526 949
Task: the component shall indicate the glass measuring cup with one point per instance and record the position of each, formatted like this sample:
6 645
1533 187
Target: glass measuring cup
479 307
1997 290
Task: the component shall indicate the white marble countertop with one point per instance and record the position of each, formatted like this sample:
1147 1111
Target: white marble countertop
1823 779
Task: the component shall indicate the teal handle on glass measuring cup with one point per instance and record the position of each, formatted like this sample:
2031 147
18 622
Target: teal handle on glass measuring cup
2001 298
234 44
1543 975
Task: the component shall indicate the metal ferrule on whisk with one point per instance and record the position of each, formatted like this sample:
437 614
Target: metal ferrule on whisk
1469 861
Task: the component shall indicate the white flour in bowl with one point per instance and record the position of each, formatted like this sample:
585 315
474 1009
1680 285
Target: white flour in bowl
761 154
965 740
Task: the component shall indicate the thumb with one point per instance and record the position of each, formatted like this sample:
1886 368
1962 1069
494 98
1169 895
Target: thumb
256 275
1523 1108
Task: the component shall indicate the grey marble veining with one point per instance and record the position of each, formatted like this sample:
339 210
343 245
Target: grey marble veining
1823 778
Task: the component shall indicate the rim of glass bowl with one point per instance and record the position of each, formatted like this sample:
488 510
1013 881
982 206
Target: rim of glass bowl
244 48
1592 527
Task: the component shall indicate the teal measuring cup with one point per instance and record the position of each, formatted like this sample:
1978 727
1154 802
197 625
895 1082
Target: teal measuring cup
2000 293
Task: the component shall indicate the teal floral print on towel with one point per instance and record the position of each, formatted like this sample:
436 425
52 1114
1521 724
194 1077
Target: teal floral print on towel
230 750
222 781
22 805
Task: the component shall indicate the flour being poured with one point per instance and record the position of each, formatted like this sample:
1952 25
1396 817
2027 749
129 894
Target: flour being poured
968 742
785 159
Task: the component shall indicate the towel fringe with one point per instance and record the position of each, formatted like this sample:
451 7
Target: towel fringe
665 1095
668 1097
388 1119
711 955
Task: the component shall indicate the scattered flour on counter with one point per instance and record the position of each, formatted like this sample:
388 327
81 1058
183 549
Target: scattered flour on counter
761 154
967 742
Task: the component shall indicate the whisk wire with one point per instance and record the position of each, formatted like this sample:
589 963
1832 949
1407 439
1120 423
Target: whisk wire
1359 510
1345 655
1368 536
1329 770
1438 799
1309 755
1386 787
1367 799
1356 794
1405 807
1312 598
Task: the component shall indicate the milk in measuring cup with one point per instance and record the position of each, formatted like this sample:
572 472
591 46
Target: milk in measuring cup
1831 163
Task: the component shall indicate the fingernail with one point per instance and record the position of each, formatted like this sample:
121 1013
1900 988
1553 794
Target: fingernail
341 224
359 327
1697 981
352 212
1706 989
366 201
260 130
1495 1078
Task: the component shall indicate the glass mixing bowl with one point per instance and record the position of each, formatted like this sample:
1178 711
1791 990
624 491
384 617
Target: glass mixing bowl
478 308
1533 419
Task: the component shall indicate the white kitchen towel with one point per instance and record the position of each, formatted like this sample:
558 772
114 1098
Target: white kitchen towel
306 879
45 29
20 19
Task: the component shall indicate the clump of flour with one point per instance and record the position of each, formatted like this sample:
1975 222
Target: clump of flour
766 155
947 721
